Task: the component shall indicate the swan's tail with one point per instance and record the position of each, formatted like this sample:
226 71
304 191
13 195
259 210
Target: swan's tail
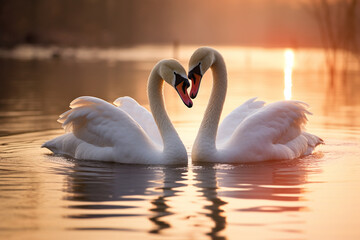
65 144
312 141
83 110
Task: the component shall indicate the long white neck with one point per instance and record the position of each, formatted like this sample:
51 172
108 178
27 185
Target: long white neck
205 140
173 146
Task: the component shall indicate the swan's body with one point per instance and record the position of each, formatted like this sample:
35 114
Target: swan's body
128 133
253 132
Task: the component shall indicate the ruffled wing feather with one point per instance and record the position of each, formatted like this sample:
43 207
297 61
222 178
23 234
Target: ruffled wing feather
274 132
232 121
141 115
97 127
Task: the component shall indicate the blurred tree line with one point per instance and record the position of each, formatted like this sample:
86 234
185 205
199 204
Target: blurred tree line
339 26
67 22
121 22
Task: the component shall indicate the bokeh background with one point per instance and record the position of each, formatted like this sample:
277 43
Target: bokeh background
278 23
332 25
101 43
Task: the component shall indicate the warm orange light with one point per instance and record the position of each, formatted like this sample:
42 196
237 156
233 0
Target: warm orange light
289 63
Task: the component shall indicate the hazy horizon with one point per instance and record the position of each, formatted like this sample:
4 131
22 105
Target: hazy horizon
264 23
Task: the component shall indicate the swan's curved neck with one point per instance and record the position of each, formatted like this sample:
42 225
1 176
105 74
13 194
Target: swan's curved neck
209 125
171 139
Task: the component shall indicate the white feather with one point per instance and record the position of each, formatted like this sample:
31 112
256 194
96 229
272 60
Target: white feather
141 115
97 129
272 132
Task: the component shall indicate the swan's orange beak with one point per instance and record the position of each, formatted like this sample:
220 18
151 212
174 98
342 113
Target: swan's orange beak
181 88
195 76
195 80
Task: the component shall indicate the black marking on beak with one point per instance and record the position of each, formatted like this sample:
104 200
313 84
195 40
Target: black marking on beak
182 89
195 76
195 70
179 79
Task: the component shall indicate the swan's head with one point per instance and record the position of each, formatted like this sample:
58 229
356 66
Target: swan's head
201 60
174 74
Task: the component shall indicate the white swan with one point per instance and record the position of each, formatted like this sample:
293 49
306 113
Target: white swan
250 133
127 133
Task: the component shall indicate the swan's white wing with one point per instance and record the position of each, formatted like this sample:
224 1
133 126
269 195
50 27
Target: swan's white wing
232 121
274 132
142 116
100 131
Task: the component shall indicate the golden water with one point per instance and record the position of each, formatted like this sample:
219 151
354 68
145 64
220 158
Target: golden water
43 196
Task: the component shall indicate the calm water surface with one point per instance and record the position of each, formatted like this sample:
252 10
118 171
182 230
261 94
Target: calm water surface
43 196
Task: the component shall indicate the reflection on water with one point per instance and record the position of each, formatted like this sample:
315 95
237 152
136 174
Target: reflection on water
173 178
208 187
44 196
32 103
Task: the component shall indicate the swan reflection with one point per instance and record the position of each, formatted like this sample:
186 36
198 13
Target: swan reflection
277 187
98 190
280 182
164 199
102 182
208 187
172 179
106 190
